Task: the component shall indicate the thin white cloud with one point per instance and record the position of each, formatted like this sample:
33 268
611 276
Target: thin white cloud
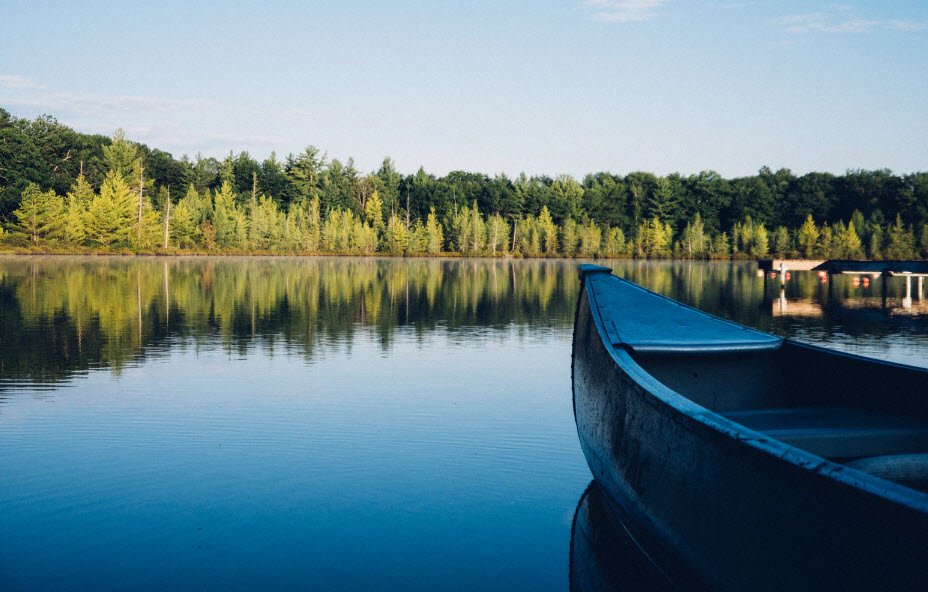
149 119
908 26
825 22
17 81
624 11
89 105
841 19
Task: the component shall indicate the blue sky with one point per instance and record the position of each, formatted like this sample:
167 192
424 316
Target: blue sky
542 87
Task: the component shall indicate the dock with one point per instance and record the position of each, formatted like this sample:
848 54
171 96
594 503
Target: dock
882 269
790 264
847 266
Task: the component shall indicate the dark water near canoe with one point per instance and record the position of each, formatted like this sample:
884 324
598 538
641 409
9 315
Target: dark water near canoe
331 423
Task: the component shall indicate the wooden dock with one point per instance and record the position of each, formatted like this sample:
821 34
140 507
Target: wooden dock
846 266
882 269
789 264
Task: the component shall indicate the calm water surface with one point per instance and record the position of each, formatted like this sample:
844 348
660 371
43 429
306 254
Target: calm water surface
247 423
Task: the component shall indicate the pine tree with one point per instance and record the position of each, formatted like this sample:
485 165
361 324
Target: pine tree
760 242
547 232
590 239
416 239
654 239
264 224
497 234
147 229
847 243
529 237
615 242
901 244
183 229
781 241
807 237
875 248
40 215
396 236
923 242
570 238
434 235
694 237
111 219
478 230
373 211
199 205
79 199
120 156
720 248
228 221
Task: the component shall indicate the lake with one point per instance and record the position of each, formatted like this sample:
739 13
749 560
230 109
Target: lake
329 423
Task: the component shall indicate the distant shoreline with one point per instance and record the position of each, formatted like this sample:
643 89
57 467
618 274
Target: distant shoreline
50 252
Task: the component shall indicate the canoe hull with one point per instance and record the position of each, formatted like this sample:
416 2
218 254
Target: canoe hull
717 510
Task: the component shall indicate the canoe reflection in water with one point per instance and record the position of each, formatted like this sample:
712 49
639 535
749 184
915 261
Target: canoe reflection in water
603 556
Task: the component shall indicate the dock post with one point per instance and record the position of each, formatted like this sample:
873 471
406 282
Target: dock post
782 275
883 286
921 285
907 301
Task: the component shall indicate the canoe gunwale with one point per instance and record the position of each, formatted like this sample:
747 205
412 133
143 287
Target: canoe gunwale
694 416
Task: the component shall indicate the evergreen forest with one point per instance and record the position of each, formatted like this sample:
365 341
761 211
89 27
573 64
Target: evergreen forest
66 191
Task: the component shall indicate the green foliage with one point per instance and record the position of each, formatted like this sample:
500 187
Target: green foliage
264 225
373 211
497 234
469 231
570 237
847 244
901 244
807 238
527 237
111 219
183 228
228 220
40 215
78 204
719 247
694 240
782 245
654 239
615 243
875 248
397 236
750 238
547 232
591 238
566 198
300 205
120 156
434 235
304 172
923 242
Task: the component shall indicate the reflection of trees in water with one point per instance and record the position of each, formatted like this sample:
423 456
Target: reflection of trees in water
59 315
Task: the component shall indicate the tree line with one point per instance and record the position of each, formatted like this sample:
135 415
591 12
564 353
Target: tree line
64 190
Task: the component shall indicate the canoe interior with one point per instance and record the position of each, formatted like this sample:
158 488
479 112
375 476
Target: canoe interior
840 407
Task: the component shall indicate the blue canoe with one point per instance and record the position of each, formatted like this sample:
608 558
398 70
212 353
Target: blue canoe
740 460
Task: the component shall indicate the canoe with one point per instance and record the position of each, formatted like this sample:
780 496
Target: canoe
740 460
